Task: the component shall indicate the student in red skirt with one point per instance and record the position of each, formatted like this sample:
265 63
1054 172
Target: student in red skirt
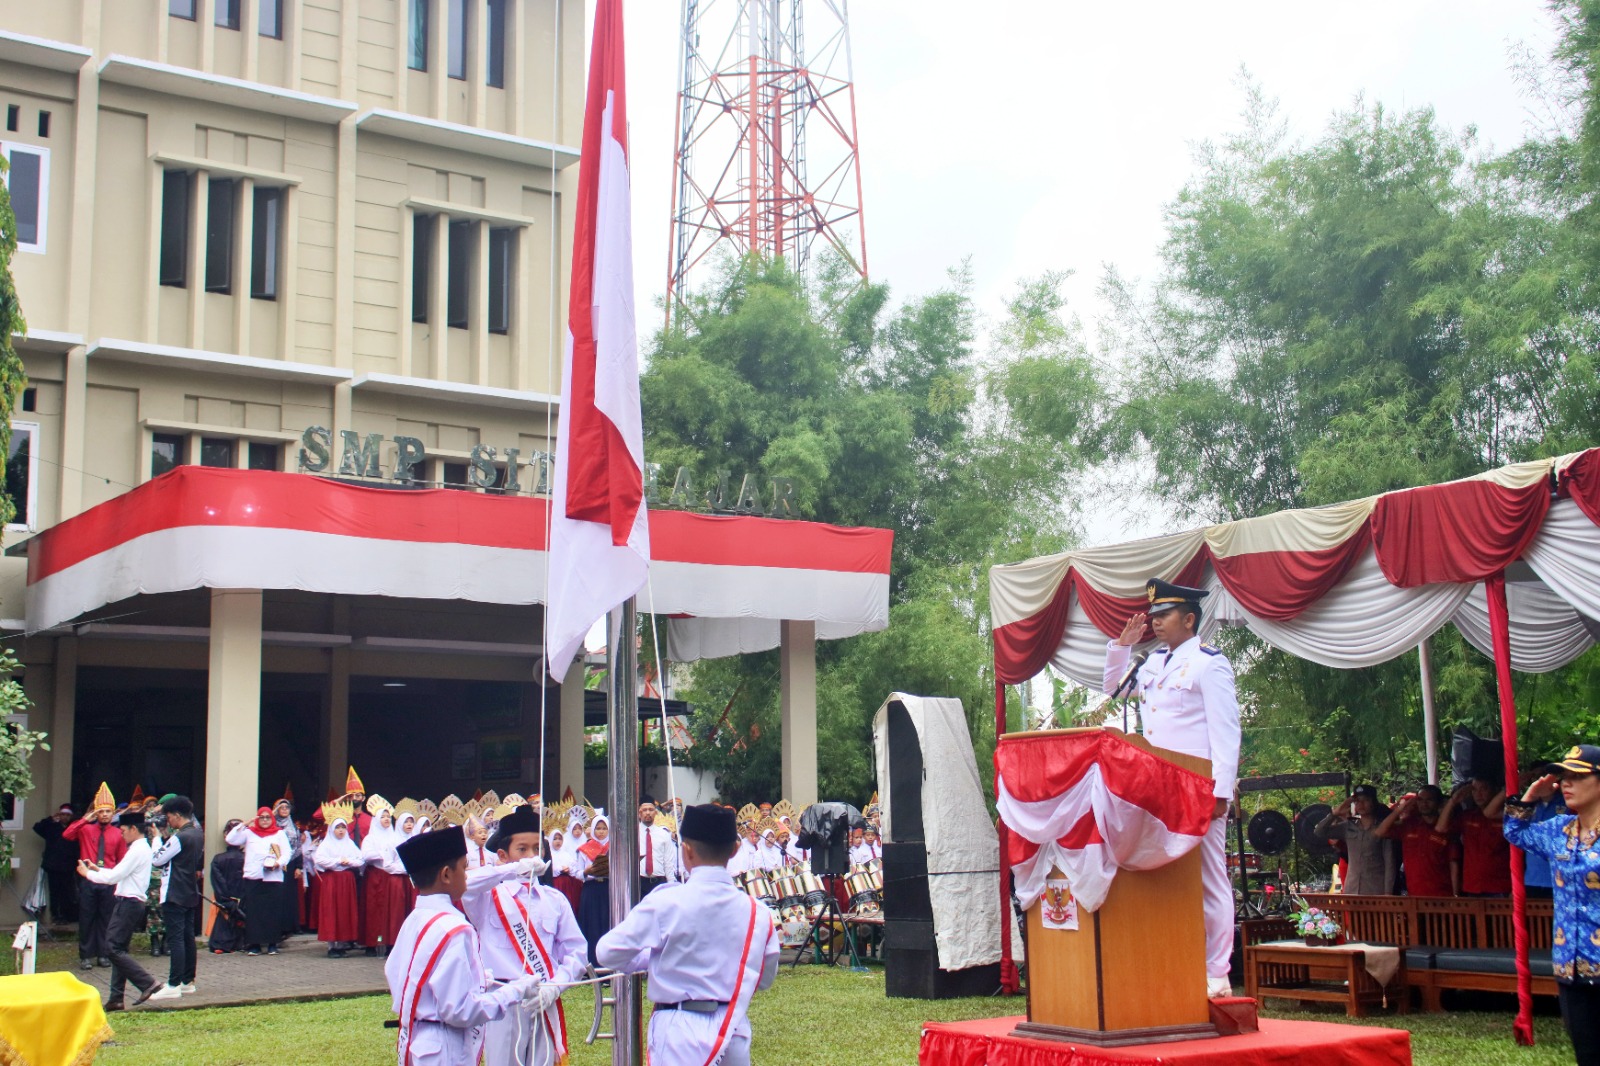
377 852
338 895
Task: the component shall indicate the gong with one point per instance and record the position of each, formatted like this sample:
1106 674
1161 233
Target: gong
1270 833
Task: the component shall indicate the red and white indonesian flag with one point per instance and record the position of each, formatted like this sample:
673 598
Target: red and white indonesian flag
1092 805
600 534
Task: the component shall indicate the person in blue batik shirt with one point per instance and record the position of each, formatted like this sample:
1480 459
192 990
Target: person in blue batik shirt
1571 843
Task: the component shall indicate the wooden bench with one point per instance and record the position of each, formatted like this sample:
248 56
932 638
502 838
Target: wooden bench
1449 943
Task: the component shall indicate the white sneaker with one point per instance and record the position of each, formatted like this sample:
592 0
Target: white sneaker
1218 987
186 989
166 992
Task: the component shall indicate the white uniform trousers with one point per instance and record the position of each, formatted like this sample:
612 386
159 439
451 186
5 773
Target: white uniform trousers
509 1040
700 1031
437 1044
1218 893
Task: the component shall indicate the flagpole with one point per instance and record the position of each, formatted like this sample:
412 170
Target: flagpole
622 766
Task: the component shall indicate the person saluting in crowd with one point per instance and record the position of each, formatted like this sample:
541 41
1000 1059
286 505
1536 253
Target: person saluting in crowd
708 947
1572 844
1190 706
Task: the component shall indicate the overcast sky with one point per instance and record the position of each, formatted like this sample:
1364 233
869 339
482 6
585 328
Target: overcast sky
1040 134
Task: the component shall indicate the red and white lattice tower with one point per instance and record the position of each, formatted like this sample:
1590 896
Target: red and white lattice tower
766 153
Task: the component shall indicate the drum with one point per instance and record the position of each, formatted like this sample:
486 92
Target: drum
791 896
863 897
875 868
759 887
816 893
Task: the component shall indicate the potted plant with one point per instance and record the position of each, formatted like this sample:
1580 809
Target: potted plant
1318 926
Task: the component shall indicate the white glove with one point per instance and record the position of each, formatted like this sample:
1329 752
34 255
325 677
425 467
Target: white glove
532 992
544 997
522 989
533 866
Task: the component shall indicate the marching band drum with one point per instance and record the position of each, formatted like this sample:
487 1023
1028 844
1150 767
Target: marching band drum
864 885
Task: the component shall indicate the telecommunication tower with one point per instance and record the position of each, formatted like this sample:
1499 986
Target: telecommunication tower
765 158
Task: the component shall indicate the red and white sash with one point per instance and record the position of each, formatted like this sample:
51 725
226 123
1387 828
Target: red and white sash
427 951
535 958
755 939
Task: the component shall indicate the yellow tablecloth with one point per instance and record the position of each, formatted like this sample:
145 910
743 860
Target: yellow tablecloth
49 1019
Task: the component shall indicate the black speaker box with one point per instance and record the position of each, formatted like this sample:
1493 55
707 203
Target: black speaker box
905 883
911 967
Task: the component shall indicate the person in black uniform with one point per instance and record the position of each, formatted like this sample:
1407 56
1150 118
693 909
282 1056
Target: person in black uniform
60 864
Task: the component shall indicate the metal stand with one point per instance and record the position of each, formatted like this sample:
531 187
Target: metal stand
828 952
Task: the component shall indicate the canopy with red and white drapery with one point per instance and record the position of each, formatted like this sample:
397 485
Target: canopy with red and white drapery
199 527
1511 557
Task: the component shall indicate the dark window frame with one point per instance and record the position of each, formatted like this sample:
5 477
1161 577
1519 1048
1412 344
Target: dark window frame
502 278
221 224
180 449
214 444
458 37
461 246
183 9
417 59
497 15
422 242
227 14
177 197
269 19
266 241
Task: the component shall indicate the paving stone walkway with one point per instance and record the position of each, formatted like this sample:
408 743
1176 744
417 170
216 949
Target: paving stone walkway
300 970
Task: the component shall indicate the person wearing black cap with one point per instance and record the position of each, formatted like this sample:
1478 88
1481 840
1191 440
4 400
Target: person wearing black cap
1373 864
707 946
131 878
1190 706
526 928
1572 844
436 979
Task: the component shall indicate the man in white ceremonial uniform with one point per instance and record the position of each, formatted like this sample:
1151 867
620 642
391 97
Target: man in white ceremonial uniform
657 852
525 928
437 983
707 945
1190 706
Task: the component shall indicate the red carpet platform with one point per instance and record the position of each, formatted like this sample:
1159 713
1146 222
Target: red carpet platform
986 1042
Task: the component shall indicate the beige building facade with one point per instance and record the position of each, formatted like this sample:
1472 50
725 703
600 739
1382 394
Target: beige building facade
250 230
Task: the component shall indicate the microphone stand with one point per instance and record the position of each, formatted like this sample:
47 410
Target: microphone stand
1125 688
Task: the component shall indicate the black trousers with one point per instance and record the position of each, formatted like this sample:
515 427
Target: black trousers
181 922
646 884
127 918
1580 1009
94 917
63 894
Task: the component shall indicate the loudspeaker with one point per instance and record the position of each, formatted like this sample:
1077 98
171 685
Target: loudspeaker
911 966
905 883
905 776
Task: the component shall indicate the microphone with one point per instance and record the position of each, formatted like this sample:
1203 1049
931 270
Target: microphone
1128 678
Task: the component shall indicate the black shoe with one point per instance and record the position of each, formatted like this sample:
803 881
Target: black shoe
112 1005
147 993
102 961
85 964
372 953
336 953
273 950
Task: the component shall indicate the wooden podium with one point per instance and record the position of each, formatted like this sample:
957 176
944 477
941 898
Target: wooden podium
1133 972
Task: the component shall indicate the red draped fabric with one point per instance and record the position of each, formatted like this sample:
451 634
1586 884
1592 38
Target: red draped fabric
1581 481
1110 613
1461 531
1280 585
1023 648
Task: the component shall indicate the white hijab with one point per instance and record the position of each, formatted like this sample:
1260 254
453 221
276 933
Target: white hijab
331 848
379 839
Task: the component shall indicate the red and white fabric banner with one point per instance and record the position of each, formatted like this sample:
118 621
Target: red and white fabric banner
1091 805
599 533
1349 585
199 527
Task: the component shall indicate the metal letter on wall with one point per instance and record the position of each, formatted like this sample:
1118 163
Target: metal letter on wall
360 456
540 461
316 445
652 482
482 471
682 489
749 501
512 485
783 498
411 453
717 498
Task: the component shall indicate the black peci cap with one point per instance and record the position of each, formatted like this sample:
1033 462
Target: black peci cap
133 818
426 852
521 820
710 824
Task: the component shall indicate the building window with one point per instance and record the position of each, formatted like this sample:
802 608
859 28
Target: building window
262 455
265 230
220 197
421 262
458 273
216 451
228 14
29 181
182 9
270 21
455 476
30 399
22 475
502 253
175 190
497 43
418 60
13 117
44 124
166 452
457 49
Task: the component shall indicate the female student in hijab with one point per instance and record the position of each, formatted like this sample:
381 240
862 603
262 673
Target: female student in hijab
266 852
564 867
594 866
338 911
227 888
376 924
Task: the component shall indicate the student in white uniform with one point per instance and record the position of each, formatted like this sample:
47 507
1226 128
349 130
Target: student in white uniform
436 980
524 928
1190 706
131 876
708 947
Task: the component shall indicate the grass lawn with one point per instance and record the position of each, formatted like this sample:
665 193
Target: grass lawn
811 1016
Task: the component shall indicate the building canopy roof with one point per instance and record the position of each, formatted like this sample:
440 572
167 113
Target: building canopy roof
725 582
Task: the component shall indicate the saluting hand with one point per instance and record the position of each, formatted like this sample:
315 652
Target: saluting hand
1132 630
1542 789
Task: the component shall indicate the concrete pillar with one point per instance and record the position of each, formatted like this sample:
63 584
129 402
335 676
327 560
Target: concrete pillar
233 712
336 720
797 657
571 731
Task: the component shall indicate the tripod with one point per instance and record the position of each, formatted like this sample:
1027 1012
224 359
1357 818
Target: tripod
828 948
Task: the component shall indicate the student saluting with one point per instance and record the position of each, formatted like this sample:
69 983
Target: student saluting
708 947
